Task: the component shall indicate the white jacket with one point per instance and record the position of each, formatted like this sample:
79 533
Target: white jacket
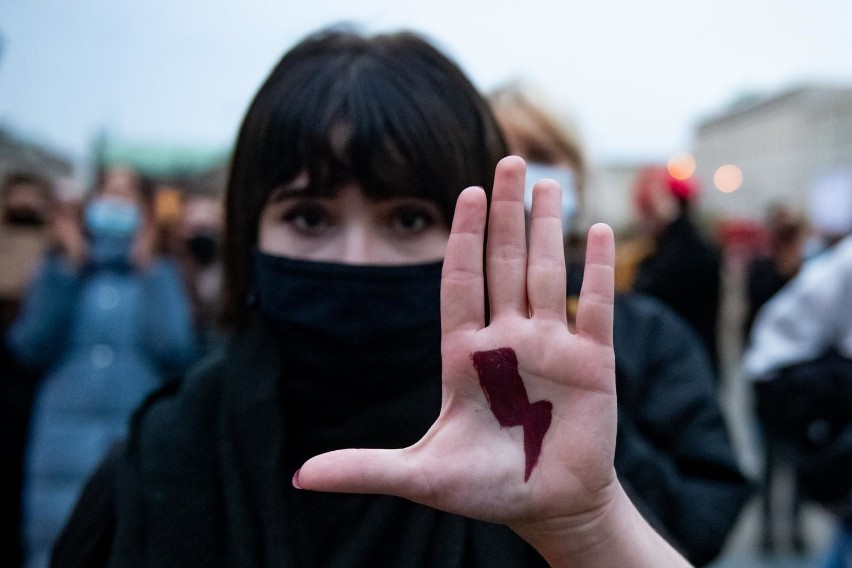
812 313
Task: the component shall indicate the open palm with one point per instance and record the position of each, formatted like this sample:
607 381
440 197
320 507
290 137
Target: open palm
468 463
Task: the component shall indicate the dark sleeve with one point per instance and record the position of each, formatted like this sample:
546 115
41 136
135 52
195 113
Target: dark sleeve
86 540
673 446
167 328
684 273
762 282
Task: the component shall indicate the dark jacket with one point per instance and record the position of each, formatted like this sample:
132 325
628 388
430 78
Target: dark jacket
684 272
203 480
673 452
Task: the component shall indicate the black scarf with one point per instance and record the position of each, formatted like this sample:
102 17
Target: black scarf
206 481
360 347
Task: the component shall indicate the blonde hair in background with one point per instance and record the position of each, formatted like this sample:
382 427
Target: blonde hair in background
539 130
535 128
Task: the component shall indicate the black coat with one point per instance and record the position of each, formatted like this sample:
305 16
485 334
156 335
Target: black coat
203 481
673 452
684 272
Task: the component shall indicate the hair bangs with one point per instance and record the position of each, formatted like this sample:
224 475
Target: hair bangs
374 120
389 113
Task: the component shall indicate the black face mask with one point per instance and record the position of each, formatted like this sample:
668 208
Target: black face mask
24 218
350 307
361 347
363 332
204 248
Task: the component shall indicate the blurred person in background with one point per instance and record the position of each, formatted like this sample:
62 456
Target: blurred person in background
104 322
551 145
799 361
767 274
25 206
683 268
197 244
673 453
829 210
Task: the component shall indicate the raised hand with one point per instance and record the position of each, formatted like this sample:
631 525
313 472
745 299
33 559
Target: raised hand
144 248
68 235
468 463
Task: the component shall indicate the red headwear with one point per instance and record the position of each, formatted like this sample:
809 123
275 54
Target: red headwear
651 178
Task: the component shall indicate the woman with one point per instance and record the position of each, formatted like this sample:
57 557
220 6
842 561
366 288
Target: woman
104 323
364 288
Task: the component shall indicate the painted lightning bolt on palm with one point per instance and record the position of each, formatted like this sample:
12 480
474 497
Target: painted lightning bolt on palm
505 392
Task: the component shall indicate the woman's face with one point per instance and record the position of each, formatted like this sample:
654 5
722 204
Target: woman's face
121 184
351 228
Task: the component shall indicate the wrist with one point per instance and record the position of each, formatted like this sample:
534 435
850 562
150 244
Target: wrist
614 534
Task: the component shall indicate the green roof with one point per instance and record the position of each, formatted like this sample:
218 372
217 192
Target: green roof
163 160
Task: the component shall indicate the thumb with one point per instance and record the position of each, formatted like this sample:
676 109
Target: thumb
357 471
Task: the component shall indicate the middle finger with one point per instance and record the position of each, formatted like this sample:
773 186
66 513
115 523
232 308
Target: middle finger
506 248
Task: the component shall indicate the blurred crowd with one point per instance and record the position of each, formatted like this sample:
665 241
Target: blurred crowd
109 296
105 298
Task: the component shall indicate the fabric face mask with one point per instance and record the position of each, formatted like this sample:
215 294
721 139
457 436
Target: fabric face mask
24 218
565 177
204 248
112 217
353 313
360 348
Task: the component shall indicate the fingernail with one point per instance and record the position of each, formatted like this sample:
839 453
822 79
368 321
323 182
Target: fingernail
296 479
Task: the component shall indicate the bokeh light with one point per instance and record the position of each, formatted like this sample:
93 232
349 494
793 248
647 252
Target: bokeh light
728 178
681 166
167 204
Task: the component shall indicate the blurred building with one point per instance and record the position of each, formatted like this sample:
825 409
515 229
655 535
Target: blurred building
19 155
609 194
167 164
765 150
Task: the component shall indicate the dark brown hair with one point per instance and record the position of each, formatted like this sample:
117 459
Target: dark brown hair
389 112
145 185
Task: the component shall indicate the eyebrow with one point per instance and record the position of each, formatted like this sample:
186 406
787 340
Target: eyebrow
287 192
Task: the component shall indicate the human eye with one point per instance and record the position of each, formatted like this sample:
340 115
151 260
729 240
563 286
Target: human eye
307 217
409 219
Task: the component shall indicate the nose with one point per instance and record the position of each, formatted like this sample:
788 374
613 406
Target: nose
358 245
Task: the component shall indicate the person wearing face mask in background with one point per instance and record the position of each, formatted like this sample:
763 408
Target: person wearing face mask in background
552 149
197 244
104 322
674 453
25 203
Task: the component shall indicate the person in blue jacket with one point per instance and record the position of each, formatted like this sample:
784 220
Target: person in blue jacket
105 321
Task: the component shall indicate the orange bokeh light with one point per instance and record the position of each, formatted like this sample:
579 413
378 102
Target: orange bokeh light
681 166
167 205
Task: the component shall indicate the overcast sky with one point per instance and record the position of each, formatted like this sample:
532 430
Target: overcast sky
636 76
